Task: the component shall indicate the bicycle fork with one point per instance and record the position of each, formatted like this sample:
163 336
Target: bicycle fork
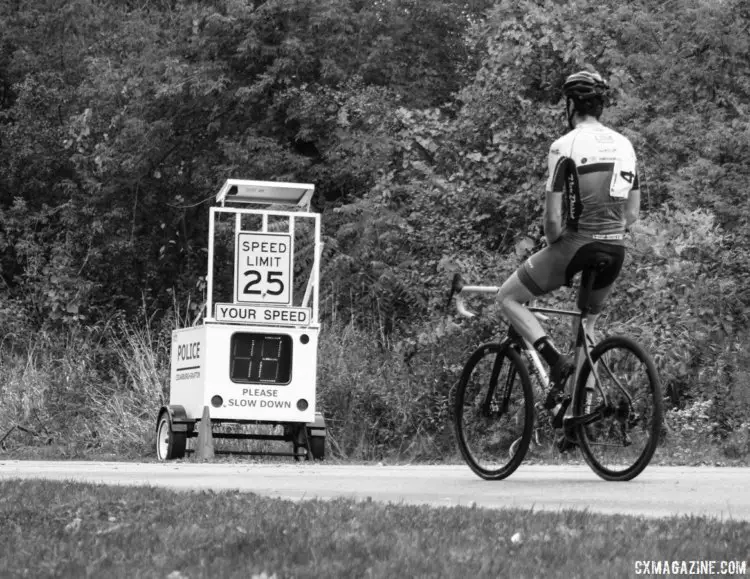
490 404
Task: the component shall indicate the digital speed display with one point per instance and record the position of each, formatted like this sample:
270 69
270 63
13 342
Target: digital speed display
261 358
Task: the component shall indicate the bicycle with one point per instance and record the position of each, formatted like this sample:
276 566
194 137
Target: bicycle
616 403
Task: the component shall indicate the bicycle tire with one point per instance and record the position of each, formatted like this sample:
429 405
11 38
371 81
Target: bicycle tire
484 432
619 445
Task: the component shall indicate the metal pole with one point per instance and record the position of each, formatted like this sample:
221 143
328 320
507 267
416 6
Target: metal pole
291 253
316 268
210 272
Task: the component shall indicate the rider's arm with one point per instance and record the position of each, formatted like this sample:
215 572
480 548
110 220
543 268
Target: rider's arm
633 203
553 216
557 166
632 207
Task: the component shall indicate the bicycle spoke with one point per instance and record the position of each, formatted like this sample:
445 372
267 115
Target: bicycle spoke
616 382
619 445
494 413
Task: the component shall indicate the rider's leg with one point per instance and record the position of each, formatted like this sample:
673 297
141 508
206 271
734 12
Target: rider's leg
540 274
512 297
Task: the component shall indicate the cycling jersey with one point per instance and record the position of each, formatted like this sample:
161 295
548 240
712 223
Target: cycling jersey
594 167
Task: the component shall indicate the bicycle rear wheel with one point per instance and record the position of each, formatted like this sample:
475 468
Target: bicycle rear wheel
621 439
494 411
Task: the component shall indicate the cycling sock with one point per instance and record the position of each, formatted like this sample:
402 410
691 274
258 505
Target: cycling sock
548 351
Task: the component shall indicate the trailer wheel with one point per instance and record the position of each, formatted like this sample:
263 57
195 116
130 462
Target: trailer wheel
318 447
169 444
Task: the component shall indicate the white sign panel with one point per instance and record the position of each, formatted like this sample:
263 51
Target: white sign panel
264 268
188 367
262 315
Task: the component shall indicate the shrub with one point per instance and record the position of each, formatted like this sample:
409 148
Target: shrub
83 390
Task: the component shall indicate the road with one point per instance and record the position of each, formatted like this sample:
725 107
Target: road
722 493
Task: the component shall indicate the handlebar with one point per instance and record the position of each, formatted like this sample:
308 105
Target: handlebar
459 288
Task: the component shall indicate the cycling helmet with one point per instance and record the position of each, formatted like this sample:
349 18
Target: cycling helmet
585 85
585 92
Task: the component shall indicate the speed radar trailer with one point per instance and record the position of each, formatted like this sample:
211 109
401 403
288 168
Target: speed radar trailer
253 358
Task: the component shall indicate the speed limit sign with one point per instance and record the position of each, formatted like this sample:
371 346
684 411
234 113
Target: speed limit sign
264 266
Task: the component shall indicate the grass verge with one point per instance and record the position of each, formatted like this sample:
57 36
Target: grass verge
54 529
95 392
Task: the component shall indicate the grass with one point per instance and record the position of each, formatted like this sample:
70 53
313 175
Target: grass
65 529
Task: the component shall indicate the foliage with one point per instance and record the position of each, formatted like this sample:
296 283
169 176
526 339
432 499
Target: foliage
425 126
118 119
395 402
495 141
85 390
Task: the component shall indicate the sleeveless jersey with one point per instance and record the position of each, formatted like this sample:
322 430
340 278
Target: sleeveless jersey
594 167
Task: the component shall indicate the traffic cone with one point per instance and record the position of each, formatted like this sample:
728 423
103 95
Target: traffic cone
205 447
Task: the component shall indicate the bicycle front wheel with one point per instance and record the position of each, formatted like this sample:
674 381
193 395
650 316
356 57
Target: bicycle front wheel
625 416
494 411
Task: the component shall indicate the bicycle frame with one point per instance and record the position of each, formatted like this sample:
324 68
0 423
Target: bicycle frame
582 341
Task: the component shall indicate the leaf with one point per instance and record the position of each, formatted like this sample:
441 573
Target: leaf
448 265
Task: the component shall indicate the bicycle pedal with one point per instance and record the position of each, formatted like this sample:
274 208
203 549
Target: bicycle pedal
565 444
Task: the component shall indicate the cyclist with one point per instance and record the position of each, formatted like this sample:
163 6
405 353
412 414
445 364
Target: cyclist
594 167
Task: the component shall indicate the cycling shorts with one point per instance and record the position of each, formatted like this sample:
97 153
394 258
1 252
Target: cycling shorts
556 264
